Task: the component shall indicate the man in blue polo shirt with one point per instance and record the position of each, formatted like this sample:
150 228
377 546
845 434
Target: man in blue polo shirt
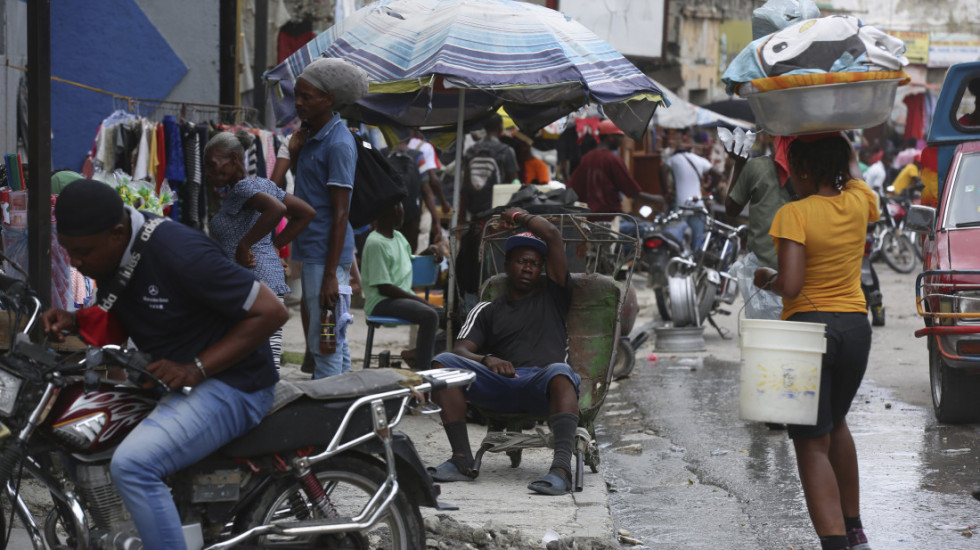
325 165
203 319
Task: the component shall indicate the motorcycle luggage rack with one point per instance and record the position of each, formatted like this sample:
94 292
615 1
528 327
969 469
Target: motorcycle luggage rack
379 503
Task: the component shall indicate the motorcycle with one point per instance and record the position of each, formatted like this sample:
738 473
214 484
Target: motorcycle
699 284
892 242
324 470
667 239
869 282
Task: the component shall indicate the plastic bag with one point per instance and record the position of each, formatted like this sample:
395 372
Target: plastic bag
776 15
140 194
740 142
759 304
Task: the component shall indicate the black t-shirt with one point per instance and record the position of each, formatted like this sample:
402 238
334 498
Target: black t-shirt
529 332
184 296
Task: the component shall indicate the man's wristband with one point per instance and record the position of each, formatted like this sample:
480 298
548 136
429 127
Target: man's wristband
513 217
200 367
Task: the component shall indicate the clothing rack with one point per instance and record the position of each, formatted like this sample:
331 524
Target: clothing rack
233 114
185 110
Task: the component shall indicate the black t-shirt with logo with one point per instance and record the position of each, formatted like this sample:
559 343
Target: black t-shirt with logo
184 296
529 332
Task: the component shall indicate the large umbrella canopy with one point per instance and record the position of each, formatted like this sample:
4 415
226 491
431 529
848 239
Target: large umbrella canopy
536 62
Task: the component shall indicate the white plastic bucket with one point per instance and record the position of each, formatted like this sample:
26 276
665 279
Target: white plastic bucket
780 378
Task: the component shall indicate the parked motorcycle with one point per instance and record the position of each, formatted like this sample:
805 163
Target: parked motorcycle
668 238
892 243
325 470
698 285
869 282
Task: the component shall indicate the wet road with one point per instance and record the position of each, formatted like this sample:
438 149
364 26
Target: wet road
685 472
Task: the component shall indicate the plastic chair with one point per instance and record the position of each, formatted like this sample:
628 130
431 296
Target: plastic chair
425 273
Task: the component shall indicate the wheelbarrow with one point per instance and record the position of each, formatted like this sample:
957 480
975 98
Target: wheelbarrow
593 325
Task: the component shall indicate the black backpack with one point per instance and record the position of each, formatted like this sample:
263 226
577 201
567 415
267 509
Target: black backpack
406 165
377 186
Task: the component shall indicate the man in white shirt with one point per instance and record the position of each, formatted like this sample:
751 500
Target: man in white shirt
687 169
429 229
876 174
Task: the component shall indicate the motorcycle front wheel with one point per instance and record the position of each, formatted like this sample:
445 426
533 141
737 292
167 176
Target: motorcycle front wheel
898 252
662 297
349 483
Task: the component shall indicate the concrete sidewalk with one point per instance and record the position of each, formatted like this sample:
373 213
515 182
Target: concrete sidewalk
500 495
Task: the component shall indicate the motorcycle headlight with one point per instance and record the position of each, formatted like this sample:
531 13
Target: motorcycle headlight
9 387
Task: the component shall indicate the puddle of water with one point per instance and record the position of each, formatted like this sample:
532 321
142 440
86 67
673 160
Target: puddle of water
913 494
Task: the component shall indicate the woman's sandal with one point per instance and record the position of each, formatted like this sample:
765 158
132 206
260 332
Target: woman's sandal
556 482
448 471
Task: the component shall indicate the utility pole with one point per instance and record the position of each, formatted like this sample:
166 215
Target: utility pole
228 44
39 148
261 58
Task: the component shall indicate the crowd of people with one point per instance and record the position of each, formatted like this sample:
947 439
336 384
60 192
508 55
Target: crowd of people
225 291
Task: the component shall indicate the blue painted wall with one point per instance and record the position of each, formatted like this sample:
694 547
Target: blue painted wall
114 46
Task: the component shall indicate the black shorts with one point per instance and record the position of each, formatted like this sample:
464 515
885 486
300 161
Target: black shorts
844 362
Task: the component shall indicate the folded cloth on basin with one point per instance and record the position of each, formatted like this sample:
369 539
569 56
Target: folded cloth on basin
783 82
835 44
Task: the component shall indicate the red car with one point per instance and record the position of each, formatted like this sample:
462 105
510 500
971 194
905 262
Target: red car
948 290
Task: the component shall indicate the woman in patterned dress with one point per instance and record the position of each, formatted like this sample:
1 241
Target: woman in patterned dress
251 207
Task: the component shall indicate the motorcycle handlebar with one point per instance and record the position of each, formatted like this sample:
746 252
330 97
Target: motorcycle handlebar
12 287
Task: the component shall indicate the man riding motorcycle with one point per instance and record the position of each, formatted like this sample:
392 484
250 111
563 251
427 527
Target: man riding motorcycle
205 321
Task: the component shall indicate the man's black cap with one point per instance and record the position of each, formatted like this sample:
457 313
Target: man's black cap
87 207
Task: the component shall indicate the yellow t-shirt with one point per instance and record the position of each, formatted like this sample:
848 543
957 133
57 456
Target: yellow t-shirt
904 178
832 230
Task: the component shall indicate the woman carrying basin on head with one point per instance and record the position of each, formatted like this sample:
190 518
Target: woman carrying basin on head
820 243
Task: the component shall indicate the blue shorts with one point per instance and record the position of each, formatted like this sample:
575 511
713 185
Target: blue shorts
842 369
525 393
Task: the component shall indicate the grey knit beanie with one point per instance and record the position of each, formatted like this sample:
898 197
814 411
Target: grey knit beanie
346 81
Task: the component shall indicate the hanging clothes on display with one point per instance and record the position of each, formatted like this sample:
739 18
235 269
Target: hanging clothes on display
158 166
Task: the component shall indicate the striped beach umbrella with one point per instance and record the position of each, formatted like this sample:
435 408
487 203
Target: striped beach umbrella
537 63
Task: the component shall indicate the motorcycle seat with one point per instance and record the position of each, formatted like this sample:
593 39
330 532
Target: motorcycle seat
344 386
310 412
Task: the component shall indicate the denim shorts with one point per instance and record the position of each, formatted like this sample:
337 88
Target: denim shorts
844 362
525 393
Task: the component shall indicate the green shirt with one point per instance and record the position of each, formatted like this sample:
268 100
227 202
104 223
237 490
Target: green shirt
758 186
384 261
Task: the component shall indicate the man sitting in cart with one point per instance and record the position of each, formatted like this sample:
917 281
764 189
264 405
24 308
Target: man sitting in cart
518 347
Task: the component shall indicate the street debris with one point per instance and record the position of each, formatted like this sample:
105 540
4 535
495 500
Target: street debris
633 449
956 451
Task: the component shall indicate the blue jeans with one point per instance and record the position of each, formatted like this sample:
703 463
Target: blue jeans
696 223
180 431
339 361
525 393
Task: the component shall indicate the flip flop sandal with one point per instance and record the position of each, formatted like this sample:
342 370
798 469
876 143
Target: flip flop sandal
554 483
447 471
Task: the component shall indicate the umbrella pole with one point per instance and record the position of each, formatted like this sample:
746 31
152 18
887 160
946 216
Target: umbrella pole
457 183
